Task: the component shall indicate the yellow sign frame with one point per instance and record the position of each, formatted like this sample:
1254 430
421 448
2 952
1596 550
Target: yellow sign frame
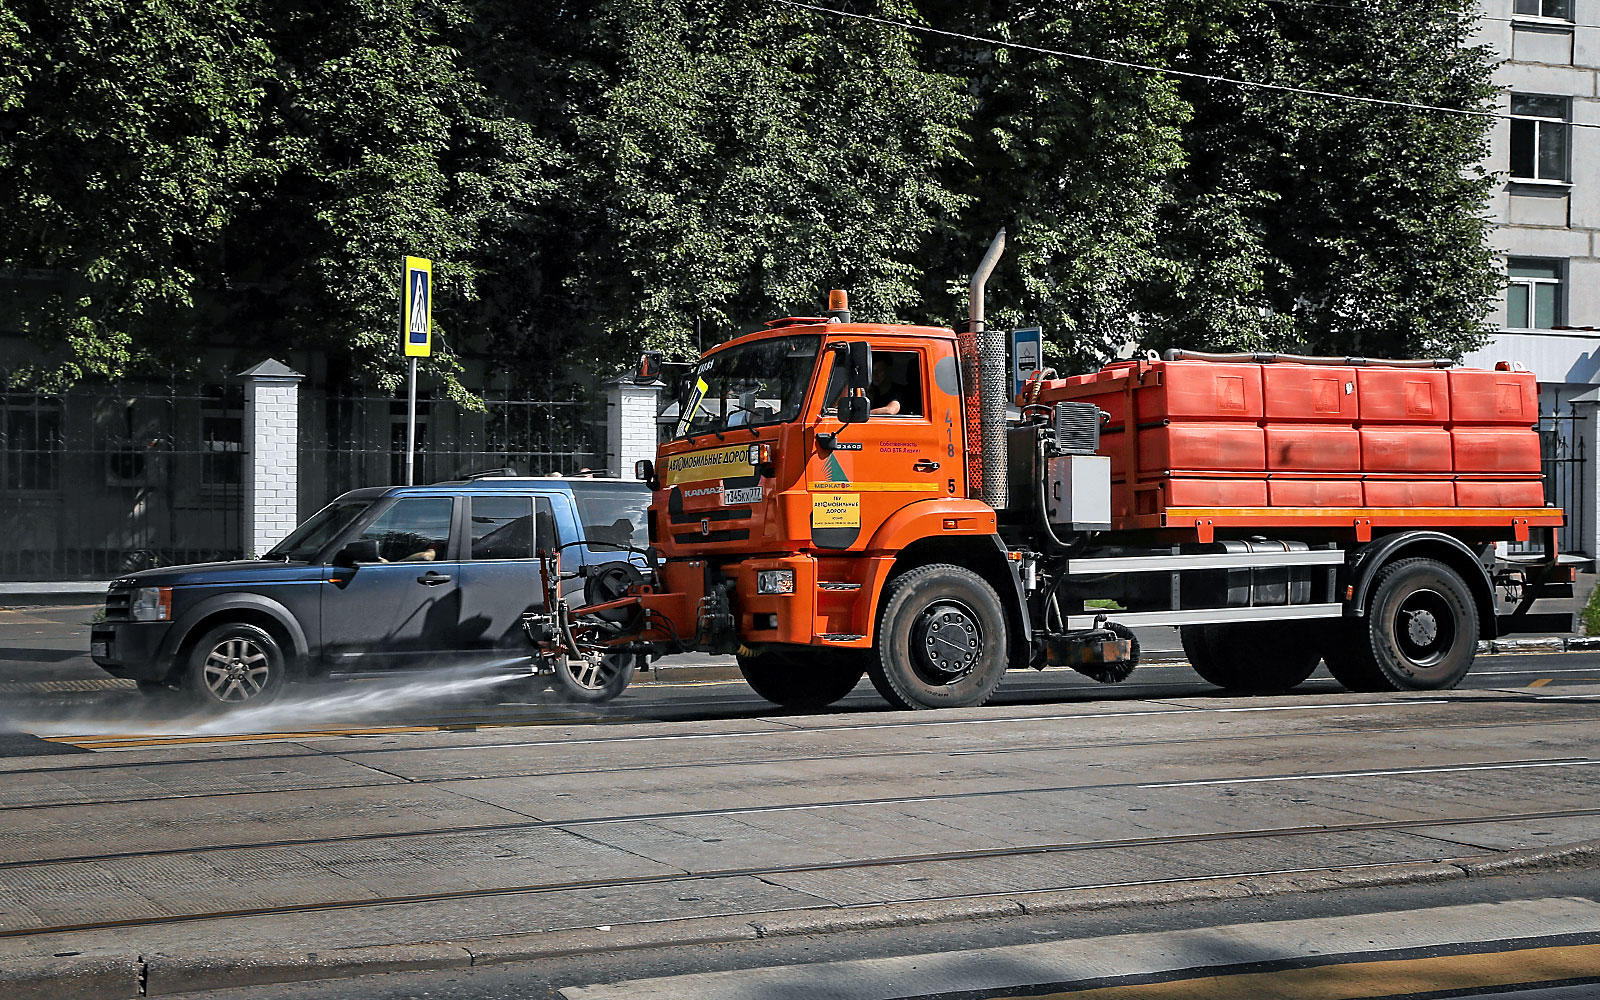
416 318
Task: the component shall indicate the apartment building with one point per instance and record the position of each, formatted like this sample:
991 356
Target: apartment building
1546 207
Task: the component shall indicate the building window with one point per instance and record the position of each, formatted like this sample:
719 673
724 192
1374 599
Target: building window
1560 10
1533 297
1539 137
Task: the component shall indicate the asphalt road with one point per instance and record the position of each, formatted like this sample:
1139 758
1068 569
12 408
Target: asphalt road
1146 836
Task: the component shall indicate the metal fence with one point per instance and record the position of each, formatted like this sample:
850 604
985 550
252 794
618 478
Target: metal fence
348 442
1562 453
108 479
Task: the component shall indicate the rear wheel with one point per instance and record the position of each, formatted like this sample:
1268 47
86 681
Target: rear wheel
941 639
1263 657
805 679
233 665
1420 632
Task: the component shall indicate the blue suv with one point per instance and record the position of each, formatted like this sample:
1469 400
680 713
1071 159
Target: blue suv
379 579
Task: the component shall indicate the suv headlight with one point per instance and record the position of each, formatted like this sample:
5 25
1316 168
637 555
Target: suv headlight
151 604
775 581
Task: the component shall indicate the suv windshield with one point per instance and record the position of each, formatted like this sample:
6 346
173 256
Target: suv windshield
760 383
306 541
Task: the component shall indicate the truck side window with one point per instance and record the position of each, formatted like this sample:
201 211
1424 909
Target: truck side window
896 385
502 527
414 529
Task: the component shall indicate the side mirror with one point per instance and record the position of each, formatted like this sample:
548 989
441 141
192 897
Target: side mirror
857 356
854 410
644 470
362 550
649 367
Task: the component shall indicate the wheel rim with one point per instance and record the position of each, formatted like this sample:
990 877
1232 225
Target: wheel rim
946 641
592 672
236 670
1425 627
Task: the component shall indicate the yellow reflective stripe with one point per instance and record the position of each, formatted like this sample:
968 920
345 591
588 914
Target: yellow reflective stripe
1399 977
1418 512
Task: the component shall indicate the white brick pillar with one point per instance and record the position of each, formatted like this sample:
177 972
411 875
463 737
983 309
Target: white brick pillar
272 455
630 424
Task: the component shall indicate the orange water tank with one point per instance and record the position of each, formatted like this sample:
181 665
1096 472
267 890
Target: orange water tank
1406 449
1313 448
1403 395
1511 450
1309 393
1202 445
1484 397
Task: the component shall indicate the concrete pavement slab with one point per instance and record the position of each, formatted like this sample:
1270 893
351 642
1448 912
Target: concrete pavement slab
119 784
1525 835
57 832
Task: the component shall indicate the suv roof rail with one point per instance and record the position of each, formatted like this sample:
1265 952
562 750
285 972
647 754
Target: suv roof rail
507 472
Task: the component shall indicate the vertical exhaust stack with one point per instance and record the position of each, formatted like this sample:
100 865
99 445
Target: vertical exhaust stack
994 374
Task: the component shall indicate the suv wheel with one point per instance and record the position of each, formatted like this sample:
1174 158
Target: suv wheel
235 664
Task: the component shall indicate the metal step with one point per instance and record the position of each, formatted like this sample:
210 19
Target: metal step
837 585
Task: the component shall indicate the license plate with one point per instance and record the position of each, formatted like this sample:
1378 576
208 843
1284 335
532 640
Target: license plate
749 495
100 649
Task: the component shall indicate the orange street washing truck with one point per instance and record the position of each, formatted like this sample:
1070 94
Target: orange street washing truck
843 498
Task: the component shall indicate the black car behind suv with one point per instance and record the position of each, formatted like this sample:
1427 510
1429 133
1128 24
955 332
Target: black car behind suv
380 579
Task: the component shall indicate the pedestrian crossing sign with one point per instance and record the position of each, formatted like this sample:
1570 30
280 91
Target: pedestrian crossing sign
416 309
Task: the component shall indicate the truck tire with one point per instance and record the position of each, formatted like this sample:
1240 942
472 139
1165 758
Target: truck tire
1420 632
593 681
233 665
804 680
1343 657
1255 657
941 639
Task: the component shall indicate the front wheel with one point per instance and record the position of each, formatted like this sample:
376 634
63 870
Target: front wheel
234 665
941 640
592 678
802 678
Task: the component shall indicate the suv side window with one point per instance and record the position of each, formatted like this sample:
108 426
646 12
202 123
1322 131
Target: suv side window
415 529
502 527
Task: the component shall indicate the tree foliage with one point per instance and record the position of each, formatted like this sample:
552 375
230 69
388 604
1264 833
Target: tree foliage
596 175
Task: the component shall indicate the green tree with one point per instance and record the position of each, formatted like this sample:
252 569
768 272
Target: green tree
1328 226
743 157
126 133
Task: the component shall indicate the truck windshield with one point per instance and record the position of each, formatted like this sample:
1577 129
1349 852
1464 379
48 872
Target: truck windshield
306 541
749 386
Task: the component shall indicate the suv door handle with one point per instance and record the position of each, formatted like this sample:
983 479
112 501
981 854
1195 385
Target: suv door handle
925 465
433 579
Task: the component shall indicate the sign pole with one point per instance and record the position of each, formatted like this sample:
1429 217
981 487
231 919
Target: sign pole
416 341
411 424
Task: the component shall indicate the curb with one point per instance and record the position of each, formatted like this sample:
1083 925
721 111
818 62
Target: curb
114 977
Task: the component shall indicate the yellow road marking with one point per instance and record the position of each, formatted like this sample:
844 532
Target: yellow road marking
130 741
1541 682
1370 979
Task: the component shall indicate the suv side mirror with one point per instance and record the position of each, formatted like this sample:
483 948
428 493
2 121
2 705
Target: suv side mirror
649 367
856 356
854 410
359 551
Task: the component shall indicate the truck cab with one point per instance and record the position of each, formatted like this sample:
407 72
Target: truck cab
772 502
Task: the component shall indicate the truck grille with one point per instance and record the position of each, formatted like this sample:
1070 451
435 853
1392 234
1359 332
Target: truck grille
118 601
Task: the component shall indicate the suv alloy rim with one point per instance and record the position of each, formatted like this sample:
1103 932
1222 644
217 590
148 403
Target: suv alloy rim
236 670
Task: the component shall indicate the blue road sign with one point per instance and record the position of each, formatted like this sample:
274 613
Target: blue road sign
1027 355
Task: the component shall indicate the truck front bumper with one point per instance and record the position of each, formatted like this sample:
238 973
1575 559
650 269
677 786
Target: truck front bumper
831 602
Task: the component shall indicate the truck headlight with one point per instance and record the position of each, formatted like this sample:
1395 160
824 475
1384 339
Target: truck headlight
151 604
775 581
